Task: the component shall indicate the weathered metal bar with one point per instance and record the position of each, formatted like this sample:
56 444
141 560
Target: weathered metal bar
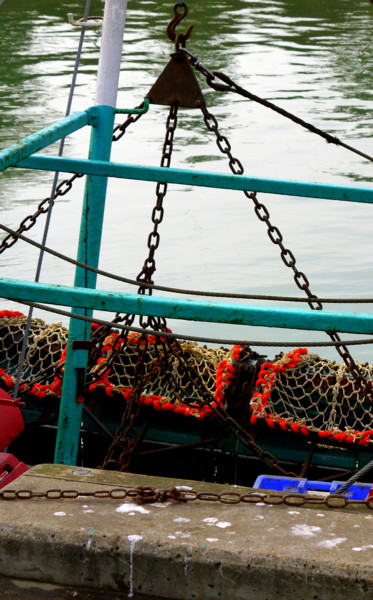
185 309
70 415
9 157
92 219
201 178
134 111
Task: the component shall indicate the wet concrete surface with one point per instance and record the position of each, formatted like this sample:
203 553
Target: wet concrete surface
195 550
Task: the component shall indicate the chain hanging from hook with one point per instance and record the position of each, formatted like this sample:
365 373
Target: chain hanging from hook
127 438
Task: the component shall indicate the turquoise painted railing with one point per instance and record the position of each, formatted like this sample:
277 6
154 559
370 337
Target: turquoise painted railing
83 297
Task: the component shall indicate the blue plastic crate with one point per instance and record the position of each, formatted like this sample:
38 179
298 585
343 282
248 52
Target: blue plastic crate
293 485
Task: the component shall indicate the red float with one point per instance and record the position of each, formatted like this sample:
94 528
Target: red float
11 419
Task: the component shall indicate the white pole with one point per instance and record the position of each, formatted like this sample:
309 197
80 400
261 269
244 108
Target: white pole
111 52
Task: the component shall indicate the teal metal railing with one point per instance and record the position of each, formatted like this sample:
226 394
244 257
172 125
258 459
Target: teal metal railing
84 298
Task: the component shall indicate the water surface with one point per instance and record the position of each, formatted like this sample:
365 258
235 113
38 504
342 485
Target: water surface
314 58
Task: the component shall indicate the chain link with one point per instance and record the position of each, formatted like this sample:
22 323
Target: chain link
126 438
148 268
244 436
287 256
151 494
231 86
61 189
122 128
29 221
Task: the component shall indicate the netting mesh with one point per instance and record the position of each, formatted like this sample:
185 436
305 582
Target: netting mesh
300 392
166 385
44 353
304 393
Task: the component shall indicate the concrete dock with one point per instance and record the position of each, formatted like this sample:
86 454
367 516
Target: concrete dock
90 548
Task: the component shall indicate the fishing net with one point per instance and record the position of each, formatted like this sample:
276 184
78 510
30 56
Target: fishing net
299 392
166 385
41 370
304 393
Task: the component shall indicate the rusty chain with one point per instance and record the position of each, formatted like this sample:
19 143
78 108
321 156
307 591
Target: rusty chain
126 437
122 128
149 268
287 256
151 494
61 189
241 433
231 86
248 440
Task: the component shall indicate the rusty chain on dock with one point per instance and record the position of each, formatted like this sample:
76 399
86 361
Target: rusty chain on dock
152 494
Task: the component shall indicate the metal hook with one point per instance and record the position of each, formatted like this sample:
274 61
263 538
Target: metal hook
178 38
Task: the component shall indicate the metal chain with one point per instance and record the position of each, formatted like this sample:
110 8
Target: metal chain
46 205
61 189
231 86
122 128
247 439
151 494
244 436
146 273
287 256
149 268
126 437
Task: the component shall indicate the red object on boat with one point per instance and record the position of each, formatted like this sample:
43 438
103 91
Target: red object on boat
11 419
10 468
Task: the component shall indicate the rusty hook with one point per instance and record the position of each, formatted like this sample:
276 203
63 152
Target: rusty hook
178 38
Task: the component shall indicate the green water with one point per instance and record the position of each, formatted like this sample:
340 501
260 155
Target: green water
314 58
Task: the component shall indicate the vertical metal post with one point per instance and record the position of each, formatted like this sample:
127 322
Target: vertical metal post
69 423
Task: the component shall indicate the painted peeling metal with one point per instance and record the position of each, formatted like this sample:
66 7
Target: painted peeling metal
9 157
193 310
201 178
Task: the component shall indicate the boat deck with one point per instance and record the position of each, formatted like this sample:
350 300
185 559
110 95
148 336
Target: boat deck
201 549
